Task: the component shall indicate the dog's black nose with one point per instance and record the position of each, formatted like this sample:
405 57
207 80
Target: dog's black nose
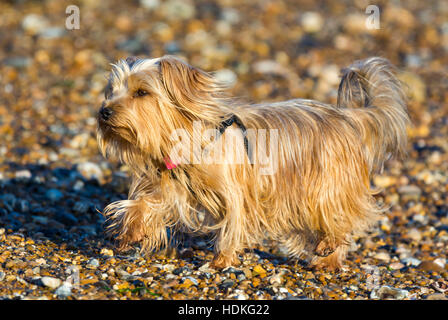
106 113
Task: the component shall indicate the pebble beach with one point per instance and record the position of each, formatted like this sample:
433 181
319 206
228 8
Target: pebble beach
54 183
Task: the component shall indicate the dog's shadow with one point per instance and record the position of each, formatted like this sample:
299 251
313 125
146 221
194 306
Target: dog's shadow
55 204
61 206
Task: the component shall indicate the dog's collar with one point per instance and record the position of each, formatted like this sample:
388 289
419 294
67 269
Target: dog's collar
170 164
222 128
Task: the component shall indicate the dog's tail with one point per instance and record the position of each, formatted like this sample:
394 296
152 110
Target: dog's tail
376 103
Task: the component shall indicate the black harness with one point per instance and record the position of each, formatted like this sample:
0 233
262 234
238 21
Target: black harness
227 123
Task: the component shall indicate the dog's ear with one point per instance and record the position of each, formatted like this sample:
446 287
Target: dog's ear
185 84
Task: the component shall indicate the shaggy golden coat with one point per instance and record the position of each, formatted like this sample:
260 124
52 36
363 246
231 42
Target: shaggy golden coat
318 193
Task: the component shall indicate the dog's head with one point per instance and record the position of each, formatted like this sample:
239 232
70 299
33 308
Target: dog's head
147 99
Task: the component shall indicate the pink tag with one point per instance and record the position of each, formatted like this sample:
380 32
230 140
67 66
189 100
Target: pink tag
169 164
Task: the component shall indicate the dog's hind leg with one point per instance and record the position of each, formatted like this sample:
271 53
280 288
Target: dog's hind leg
227 246
333 261
325 247
233 235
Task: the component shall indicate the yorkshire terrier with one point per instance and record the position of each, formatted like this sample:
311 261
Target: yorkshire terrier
314 197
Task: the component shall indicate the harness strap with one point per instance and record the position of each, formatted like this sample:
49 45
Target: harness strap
234 119
222 128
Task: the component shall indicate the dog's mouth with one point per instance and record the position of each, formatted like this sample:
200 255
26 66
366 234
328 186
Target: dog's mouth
114 132
107 125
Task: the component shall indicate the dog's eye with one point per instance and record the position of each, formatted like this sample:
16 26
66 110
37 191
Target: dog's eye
140 93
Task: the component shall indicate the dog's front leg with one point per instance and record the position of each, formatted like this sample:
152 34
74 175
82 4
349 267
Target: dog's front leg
141 218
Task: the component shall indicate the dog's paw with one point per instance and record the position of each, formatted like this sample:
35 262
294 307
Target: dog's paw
320 263
325 248
332 262
221 261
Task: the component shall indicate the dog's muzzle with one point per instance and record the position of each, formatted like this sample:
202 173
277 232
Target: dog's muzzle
106 113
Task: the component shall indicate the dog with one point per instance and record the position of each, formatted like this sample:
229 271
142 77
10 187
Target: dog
317 196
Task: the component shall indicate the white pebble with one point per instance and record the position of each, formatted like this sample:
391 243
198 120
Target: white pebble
64 290
226 76
51 282
312 22
383 256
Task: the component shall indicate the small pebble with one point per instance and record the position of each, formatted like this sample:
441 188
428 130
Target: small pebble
54 195
411 261
383 256
258 269
226 76
226 284
93 263
410 192
441 262
23 174
396 266
386 292
312 22
50 282
276 279
65 290
430 266
107 252
90 170
414 234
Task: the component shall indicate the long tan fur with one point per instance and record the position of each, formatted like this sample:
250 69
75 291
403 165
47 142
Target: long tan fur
315 200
